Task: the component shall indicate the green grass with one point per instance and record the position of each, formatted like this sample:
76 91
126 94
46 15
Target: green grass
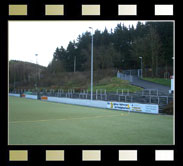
162 81
34 122
114 83
110 84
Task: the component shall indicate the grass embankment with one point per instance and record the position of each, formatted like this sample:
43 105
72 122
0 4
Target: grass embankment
162 81
103 79
112 84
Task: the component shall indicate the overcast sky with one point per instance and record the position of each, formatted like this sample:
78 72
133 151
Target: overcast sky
27 38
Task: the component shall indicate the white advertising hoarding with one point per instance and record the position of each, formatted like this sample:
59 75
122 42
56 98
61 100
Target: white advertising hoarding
135 107
31 96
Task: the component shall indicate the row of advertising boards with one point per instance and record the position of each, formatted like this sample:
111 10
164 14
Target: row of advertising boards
131 107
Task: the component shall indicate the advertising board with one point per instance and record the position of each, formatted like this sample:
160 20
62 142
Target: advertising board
135 107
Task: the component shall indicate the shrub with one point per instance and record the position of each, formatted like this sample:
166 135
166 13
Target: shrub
168 109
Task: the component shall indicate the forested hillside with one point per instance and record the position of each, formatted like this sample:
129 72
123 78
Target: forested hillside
23 74
117 49
120 49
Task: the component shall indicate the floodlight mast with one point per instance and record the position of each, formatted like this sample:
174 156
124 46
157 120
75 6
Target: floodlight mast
91 63
36 73
141 65
74 64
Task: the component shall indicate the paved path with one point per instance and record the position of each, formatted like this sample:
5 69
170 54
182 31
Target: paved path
149 85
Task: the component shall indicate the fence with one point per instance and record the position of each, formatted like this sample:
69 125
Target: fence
132 72
150 96
125 77
163 72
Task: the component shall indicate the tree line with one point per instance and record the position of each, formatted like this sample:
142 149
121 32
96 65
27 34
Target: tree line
119 49
24 73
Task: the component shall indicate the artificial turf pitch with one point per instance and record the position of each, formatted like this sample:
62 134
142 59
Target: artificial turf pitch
35 122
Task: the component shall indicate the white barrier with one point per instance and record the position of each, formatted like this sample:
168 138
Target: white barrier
134 107
13 94
31 96
26 96
83 102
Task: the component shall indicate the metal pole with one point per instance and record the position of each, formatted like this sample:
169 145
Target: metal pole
74 64
36 73
91 64
141 67
14 74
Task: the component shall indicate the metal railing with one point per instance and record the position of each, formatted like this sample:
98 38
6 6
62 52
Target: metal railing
150 96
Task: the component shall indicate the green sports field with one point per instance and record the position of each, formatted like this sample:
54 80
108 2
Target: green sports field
34 122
